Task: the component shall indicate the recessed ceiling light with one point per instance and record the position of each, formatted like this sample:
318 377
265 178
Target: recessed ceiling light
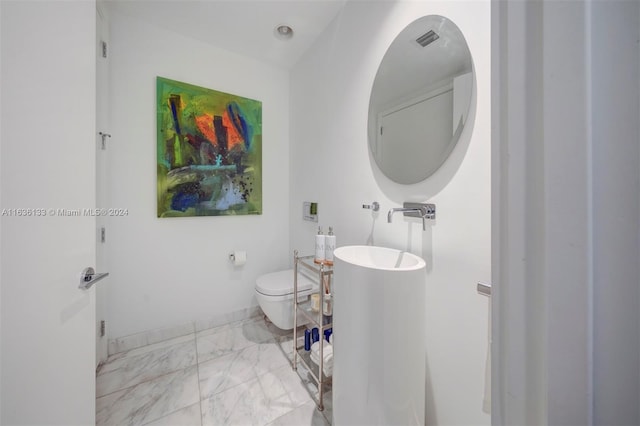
283 32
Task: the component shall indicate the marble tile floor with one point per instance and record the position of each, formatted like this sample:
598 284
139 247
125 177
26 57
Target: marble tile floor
235 374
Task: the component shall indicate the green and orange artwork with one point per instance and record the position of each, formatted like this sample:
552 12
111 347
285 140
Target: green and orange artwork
209 152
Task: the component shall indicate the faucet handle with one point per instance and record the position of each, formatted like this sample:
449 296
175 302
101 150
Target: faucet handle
375 206
430 211
422 210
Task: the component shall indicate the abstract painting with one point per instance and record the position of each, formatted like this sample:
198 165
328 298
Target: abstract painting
209 152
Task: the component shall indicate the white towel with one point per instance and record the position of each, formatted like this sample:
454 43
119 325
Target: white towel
327 354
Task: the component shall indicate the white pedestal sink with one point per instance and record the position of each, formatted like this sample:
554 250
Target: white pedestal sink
379 337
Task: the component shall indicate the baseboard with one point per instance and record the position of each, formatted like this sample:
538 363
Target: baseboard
149 337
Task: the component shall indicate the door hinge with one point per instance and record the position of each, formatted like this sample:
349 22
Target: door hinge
103 235
104 49
103 328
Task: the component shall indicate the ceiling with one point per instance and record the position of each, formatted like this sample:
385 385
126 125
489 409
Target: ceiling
241 26
408 69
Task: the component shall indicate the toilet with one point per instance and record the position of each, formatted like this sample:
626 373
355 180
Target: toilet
274 292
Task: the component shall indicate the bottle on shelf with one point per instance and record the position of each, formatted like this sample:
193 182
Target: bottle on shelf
327 305
329 247
319 257
307 340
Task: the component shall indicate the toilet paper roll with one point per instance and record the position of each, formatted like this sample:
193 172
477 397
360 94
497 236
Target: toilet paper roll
238 257
315 302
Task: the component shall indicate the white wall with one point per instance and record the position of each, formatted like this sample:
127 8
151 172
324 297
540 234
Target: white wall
331 164
174 270
567 189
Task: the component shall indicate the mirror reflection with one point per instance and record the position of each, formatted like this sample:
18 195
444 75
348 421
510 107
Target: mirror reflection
420 99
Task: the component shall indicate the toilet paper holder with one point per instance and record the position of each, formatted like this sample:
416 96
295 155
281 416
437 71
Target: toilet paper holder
238 258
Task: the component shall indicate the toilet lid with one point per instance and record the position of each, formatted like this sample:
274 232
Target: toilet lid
281 283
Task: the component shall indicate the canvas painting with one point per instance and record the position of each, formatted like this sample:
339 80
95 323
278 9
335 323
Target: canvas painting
209 152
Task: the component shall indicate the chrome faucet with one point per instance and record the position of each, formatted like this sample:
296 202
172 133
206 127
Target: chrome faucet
421 210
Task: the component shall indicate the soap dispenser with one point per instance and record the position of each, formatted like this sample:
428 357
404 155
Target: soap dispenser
329 247
319 257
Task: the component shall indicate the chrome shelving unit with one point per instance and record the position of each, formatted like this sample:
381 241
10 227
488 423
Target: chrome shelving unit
316 319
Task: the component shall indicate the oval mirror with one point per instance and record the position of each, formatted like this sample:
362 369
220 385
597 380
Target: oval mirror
420 99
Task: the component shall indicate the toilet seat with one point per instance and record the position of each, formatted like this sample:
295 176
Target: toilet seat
281 283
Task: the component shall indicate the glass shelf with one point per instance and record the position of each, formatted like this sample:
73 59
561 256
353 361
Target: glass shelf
311 367
316 318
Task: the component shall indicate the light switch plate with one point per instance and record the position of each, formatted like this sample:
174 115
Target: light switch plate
310 211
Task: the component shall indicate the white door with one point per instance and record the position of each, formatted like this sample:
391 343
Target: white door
47 181
103 140
430 118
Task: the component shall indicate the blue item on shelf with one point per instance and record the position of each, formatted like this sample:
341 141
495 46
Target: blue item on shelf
327 333
315 334
307 340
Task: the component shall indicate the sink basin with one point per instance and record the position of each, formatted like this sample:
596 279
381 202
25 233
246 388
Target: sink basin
382 258
379 322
